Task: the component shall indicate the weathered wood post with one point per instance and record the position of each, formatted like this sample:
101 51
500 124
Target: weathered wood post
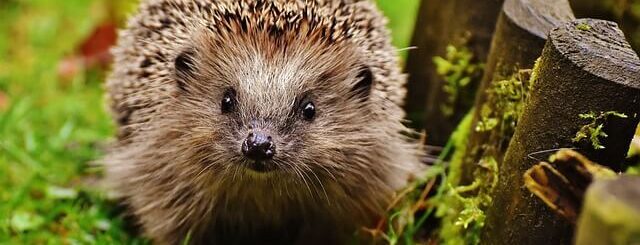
586 68
611 213
620 11
467 23
519 37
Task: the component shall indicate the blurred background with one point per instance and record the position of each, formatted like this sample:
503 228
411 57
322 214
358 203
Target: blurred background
53 121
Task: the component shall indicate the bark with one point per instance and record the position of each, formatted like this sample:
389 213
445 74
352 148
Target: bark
457 22
611 213
520 35
586 66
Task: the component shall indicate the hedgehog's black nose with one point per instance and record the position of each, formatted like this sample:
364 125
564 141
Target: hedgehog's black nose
258 146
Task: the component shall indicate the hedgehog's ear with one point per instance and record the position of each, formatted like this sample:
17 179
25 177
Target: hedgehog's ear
184 67
362 88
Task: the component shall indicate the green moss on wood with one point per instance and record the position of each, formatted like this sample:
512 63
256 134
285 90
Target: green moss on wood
583 27
535 72
461 208
457 69
459 139
505 101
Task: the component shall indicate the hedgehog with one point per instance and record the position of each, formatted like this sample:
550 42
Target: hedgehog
257 121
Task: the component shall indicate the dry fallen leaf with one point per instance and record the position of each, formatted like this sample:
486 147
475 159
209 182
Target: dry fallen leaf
4 101
92 53
561 184
95 49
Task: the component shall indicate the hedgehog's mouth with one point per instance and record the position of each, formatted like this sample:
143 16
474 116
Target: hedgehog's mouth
261 166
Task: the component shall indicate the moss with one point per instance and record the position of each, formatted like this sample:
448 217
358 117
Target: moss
459 139
535 72
505 102
462 207
486 122
593 131
457 70
583 27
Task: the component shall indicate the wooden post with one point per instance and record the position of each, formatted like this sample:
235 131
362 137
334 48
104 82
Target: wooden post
467 23
586 66
611 213
520 35
620 11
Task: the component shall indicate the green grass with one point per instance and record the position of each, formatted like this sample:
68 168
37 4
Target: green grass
401 14
51 129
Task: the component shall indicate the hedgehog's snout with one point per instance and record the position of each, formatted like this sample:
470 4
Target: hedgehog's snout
258 146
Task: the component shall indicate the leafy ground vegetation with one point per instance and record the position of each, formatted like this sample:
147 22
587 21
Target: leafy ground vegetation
53 122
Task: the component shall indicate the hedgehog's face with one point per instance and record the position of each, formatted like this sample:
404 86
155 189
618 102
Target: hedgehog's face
275 106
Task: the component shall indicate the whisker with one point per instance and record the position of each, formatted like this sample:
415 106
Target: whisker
322 186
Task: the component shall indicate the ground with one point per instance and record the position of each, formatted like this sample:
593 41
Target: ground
52 128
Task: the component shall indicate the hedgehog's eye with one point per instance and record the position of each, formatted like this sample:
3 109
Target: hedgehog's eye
308 111
228 103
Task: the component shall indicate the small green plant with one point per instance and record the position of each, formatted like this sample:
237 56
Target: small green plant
458 70
593 131
410 210
187 239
